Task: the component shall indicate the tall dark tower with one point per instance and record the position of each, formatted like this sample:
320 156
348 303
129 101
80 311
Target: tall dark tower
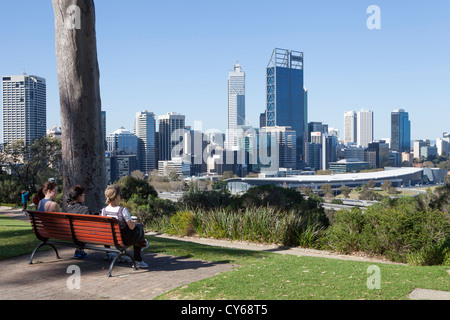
286 96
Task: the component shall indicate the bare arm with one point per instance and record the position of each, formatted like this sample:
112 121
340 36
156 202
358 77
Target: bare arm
131 224
54 207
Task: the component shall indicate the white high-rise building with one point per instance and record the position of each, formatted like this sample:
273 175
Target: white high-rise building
443 146
24 102
171 133
236 105
364 127
350 127
145 130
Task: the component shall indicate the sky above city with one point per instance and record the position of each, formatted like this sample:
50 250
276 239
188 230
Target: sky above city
174 56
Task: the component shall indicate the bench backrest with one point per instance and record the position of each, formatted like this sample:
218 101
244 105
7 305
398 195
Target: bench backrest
77 228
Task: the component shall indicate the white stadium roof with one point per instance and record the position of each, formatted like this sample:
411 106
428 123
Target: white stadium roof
378 175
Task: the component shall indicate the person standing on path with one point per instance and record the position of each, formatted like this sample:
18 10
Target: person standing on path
25 195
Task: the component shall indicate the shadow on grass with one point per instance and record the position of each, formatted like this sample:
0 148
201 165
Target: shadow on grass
15 243
193 250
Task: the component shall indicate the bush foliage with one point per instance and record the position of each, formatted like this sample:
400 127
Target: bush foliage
414 230
394 229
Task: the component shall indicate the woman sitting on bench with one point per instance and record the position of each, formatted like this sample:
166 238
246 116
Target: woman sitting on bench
75 204
48 204
132 233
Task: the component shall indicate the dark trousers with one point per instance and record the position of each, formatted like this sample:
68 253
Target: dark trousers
137 250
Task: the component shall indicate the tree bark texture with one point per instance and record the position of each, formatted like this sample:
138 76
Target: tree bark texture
83 154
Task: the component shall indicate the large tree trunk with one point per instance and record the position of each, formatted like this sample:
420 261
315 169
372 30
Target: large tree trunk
83 155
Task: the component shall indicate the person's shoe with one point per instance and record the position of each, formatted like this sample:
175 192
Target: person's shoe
124 258
80 254
141 265
110 255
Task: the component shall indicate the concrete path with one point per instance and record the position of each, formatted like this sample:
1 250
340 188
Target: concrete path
49 278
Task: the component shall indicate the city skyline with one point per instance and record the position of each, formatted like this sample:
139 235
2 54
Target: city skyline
349 67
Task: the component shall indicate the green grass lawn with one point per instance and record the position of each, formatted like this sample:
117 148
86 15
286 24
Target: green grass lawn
271 276
16 238
264 275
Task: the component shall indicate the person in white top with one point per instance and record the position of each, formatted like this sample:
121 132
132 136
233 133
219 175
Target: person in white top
132 232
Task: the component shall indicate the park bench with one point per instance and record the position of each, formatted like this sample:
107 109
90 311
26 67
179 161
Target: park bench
79 231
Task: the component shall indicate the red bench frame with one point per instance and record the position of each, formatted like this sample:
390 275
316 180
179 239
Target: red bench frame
79 231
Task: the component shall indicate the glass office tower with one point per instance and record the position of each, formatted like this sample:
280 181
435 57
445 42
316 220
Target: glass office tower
400 131
287 98
145 130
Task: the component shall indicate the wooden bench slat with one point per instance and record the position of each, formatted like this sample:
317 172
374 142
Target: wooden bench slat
96 227
54 230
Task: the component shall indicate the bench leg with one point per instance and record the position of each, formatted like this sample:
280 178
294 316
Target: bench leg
111 266
41 245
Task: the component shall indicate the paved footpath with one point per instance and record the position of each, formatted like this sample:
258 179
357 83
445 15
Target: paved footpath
48 277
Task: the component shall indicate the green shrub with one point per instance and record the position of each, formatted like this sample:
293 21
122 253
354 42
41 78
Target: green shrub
206 200
182 224
309 236
270 195
154 213
430 255
394 229
344 236
10 190
137 187
337 201
264 225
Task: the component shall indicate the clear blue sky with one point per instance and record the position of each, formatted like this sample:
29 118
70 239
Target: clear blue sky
174 56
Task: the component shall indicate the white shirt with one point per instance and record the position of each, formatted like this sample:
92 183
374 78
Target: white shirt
113 211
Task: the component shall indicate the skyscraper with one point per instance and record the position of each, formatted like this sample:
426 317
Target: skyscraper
24 108
104 127
145 130
236 105
171 132
284 139
400 131
350 125
122 141
316 127
287 97
364 127
329 150
262 120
